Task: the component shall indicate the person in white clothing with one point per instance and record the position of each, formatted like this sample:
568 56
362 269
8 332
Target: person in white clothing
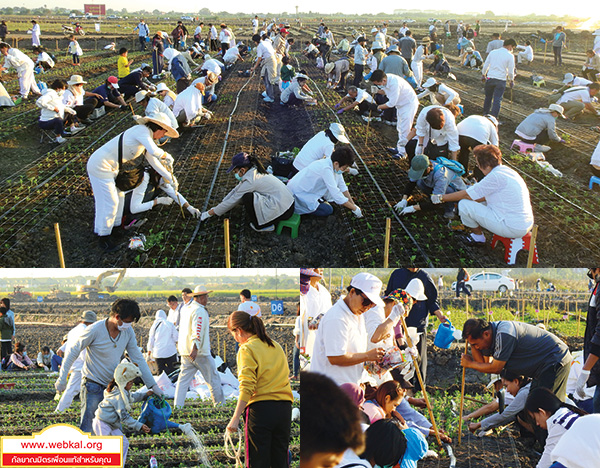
43 62
473 131
169 96
265 57
162 343
103 167
578 99
24 65
74 383
579 447
212 65
402 96
360 98
53 109
35 34
318 147
194 348
174 310
324 177
436 128
5 100
595 161
439 93
525 53
551 414
255 25
498 70
188 109
153 106
341 341
507 211
315 301
416 65
232 55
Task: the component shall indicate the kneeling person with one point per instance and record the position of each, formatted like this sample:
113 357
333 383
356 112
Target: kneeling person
293 94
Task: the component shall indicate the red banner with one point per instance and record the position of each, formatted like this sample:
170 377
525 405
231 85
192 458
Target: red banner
99 10
63 459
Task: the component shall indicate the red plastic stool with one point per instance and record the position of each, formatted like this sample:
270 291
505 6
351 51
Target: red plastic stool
522 146
513 246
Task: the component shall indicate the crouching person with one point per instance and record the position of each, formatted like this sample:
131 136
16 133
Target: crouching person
52 116
188 108
361 99
294 95
267 200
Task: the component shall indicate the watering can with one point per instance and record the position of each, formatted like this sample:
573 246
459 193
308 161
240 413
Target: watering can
445 335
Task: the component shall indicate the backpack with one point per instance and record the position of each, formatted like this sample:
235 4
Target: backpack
454 166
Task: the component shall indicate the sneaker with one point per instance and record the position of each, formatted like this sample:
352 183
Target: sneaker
268 99
270 228
74 129
541 148
60 139
393 151
264 94
366 119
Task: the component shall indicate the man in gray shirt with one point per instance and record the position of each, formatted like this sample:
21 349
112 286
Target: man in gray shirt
495 43
408 46
105 341
519 348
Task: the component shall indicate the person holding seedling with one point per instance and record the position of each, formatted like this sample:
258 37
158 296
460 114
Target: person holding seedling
24 65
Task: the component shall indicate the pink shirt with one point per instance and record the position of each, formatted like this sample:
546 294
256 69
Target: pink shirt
374 411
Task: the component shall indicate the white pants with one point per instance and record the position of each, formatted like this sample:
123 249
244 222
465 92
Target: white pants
207 367
138 205
417 69
522 56
72 390
27 82
102 429
108 201
406 116
474 214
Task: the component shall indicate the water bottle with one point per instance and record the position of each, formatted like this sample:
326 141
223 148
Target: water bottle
153 462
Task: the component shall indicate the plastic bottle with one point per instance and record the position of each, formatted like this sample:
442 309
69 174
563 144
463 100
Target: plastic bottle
153 462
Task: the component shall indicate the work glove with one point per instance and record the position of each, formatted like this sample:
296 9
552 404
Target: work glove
204 216
341 111
69 110
164 200
581 384
436 198
194 211
353 171
419 149
136 117
401 205
167 160
562 140
157 390
357 212
337 106
60 386
408 210
175 183
397 312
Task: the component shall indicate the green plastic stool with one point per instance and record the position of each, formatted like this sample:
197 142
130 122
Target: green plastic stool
293 223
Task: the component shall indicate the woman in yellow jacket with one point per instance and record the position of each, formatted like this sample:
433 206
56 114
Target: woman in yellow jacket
265 393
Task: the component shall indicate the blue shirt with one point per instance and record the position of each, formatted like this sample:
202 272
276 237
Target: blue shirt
107 94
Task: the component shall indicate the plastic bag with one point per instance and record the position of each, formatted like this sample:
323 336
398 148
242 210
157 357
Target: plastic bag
392 359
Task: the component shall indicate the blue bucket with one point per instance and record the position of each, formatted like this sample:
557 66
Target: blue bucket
445 335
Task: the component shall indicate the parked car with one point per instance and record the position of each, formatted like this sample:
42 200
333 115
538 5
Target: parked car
488 281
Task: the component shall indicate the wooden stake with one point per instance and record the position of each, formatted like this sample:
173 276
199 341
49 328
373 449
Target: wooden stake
467 306
61 256
475 400
420 378
545 50
462 396
131 107
532 245
386 249
227 251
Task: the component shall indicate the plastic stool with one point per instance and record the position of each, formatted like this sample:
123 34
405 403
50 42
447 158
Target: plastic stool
46 136
594 180
293 223
539 83
523 147
513 246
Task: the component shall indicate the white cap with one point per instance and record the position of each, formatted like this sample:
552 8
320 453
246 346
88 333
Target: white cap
429 83
370 285
492 119
416 290
374 30
140 96
251 308
339 132
377 45
161 87
568 78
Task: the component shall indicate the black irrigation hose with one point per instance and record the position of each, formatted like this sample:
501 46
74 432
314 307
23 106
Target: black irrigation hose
216 173
426 258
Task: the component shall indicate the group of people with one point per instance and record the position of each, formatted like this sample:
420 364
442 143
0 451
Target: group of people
340 340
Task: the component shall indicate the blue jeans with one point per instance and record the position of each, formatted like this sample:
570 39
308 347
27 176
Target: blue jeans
597 399
91 395
494 90
324 209
296 361
213 98
56 362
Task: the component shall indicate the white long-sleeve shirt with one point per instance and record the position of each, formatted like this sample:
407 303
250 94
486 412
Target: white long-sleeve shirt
558 424
190 101
49 101
318 147
156 105
479 128
313 182
448 133
448 92
579 447
18 60
162 337
194 329
398 91
72 338
500 65
527 52
44 57
360 54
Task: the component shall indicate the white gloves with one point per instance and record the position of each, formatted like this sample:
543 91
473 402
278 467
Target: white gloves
207 115
157 390
436 198
581 384
194 211
69 110
357 212
136 117
353 171
419 149
401 205
164 201
204 216
408 210
397 312
60 386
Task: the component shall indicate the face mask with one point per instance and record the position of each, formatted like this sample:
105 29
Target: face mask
338 171
125 326
61 92
238 177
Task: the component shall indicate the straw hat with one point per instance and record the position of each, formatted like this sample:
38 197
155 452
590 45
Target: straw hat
161 87
200 290
89 316
329 67
141 95
160 119
211 79
557 108
75 80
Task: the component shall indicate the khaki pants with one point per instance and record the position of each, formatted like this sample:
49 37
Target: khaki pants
572 108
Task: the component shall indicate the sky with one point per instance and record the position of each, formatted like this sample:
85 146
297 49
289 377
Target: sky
548 7
144 272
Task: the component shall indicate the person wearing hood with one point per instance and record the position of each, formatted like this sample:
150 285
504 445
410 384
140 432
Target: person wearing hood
162 343
152 105
540 127
336 73
88 317
53 110
188 108
179 68
24 65
103 166
114 410
168 96
267 200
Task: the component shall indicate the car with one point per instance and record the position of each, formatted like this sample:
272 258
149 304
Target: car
187 18
489 281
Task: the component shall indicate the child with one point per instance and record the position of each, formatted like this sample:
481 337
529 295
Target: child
287 73
123 63
114 409
75 50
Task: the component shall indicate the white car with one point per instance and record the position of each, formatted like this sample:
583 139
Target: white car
487 281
